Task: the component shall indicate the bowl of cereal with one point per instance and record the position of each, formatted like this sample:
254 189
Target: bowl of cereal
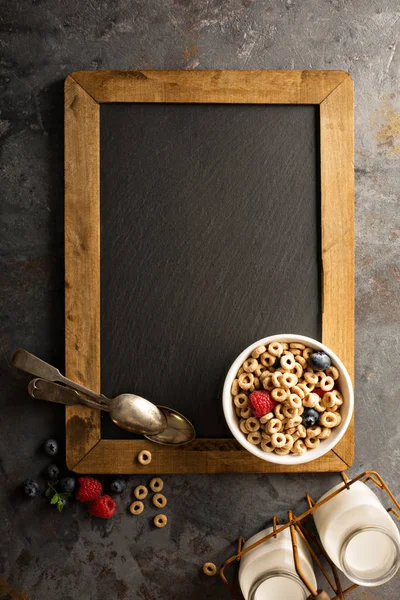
288 399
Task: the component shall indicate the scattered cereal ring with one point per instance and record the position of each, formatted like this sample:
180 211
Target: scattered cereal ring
209 569
311 377
299 447
245 381
235 387
279 394
242 426
266 418
273 426
327 384
325 433
254 438
289 412
156 484
266 446
144 457
275 348
332 372
328 419
245 413
137 507
313 431
159 500
250 365
310 400
258 351
278 440
267 359
140 492
297 345
288 380
252 424
312 442
295 401
288 361
160 521
241 400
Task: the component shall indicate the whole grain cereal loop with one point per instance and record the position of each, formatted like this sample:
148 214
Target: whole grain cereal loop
295 401
235 390
245 381
260 370
209 569
278 411
278 440
338 418
301 360
265 436
282 451
250 365
245 413
327 384
285 345
328 419
289 440
313 431
137 507
318 407
287 361
268 384
254 438
302 431
240 371
310 400
266 374
238 411
291 430
159 500
295 352
334 408
252 424
328 400
306 387
293 422
257 383
275 348
299 447
288 380
251 388
295 436
267 446
279 394
289 411
311 377
307 353
325 433
160 521
301 410
241 401
296 389
332 372
297 345
276 378
273 426
265 418
267 359
258 351
144 457
242 426
156 484
298 370
338 396
140 492
312 442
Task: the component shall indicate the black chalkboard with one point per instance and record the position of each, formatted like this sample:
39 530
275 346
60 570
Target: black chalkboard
210 240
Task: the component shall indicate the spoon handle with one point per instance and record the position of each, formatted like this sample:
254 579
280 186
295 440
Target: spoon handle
35 366
53 392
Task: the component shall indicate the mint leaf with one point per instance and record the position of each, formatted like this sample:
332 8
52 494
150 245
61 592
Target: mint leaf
49 492
54 499
60 506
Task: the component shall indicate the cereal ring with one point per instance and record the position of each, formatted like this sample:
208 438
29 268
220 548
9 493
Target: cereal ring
327 384
334 408
267 359
144 457
311 377
160 521
297 345
282 451
209 569
250 365
298 370
298 391
318 406
338 396
328 419
310 400
156 484
140 492
245 413
279 394
295 401
258 351
260 369
290 431
299 447
325 433
252 424
332 372
159 500
290 412
238 411
267 383
242 426
254 438
275 348
265 436
306 387
241 400
285 345
287 361
295 351
301 410
278 440
241 370
265 418
307 353
273 426
235 387
267 446
313 431
293 422
302 431
257 383
289 441
328 400
312 442
245 381
278 412
338 418
295 436
276 378
301 360
136 508
288 380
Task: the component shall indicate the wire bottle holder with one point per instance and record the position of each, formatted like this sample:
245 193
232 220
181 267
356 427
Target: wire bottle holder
296 525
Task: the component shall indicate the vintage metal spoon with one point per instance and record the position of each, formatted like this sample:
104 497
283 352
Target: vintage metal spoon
129 411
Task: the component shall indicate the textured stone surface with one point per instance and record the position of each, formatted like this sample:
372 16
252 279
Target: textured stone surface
43 554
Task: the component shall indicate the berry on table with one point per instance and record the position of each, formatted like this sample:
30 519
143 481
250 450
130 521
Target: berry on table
319 361
262 403
89 489
309 417
103 507
52 472
51 447
67 484
118 485
31 488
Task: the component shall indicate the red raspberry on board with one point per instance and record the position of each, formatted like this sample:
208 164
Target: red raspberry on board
89 489
103 507
262 403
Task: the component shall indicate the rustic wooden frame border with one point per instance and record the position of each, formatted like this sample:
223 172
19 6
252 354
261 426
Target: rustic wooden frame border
84 92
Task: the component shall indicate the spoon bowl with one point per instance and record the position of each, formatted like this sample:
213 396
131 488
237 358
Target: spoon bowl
137 415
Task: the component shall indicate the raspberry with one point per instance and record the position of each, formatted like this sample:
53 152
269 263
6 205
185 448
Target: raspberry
262 403
89 489
319 392
103 507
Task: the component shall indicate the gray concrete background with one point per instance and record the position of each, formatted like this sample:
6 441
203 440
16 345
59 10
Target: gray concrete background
46 555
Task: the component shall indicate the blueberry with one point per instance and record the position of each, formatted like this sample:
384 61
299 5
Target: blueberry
52 472
51 447
309 417
118 486
67 484
319 360
31 488
277 362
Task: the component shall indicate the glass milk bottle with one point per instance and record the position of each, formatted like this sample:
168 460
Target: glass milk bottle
359 535
268 571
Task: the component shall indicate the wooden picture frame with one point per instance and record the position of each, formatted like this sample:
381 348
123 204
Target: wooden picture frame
85 91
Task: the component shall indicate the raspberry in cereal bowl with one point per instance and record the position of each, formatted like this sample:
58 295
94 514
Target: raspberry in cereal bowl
288 399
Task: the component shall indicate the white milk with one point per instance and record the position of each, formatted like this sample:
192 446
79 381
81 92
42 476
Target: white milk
268 571
359 535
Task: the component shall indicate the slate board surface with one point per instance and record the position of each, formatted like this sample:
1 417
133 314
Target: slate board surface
209 241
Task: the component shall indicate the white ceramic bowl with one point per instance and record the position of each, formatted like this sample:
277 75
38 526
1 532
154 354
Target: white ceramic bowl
346 389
